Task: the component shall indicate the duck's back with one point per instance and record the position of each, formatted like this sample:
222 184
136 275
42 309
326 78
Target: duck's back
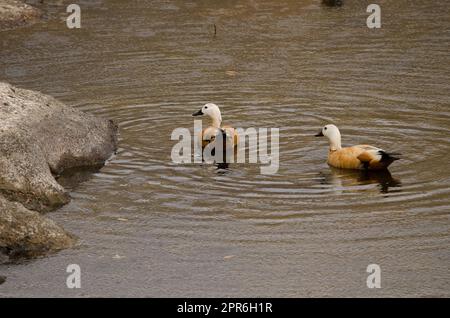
346 158
360 157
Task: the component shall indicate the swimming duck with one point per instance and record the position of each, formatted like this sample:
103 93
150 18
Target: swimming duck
209 134
362 157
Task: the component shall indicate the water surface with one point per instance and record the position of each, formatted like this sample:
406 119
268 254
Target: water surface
149 227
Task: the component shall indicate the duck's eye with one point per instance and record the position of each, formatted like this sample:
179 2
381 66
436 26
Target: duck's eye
325 128
206 107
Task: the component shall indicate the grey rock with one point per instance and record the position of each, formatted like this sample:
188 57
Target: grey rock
25 233
39 138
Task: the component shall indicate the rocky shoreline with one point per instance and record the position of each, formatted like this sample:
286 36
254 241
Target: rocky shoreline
14 13
41 137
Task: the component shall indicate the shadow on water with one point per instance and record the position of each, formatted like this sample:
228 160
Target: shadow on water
222 167
346 178
333 3
70 178
19 255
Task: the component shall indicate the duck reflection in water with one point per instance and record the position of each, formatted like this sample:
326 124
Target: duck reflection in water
345 178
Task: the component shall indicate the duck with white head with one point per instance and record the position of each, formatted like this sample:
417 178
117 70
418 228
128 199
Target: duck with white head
209 134
361 157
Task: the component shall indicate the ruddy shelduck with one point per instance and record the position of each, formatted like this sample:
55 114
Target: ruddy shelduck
361 157
209 134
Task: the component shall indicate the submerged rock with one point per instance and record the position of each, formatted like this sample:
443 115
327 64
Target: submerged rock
25 233
40 137
15 13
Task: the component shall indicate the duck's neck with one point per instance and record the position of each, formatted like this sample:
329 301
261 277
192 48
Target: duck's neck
216 122
335 143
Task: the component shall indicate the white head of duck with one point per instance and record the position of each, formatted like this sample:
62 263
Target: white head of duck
213 111
356 157
208 134
334 136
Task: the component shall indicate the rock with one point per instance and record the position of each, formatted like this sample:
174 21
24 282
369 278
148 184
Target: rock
39 138
25 233
15 13
2 279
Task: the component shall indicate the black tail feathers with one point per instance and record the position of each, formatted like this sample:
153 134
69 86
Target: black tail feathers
390 156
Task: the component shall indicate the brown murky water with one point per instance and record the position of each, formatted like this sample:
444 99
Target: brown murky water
148 227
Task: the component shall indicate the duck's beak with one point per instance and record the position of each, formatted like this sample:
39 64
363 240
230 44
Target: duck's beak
199 113
320 134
